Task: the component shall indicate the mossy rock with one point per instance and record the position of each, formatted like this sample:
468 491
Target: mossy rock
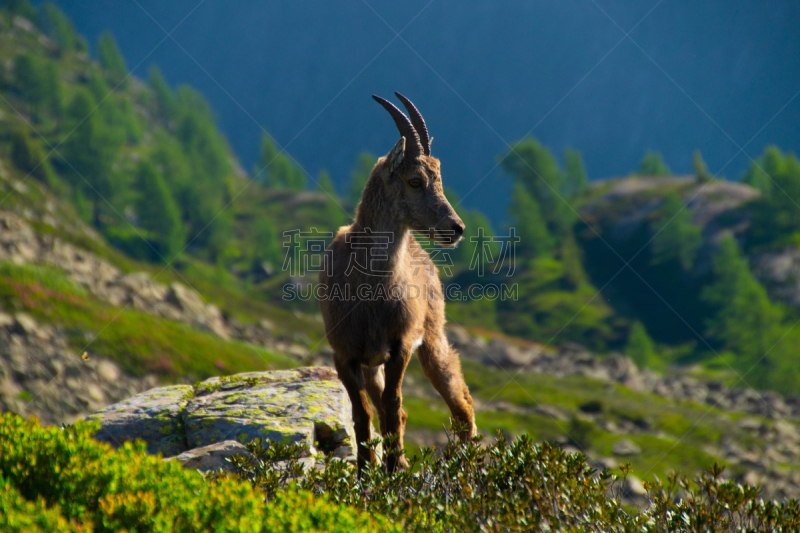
153 416
304 406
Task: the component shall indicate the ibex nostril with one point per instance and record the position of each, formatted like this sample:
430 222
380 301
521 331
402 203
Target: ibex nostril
459 229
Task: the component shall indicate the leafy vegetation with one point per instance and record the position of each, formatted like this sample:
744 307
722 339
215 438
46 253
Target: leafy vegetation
589 413
518 485
54 479
61 479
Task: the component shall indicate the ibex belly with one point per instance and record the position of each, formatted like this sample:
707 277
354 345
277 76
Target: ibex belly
389 324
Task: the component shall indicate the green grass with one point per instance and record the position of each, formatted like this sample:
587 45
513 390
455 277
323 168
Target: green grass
674 437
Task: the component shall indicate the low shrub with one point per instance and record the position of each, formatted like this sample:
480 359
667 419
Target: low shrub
519 486
60 479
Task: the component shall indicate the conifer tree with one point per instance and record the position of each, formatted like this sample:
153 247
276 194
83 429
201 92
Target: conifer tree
29 156
38 83
268 243
700 168
777 217
157 211
640 346
743 320
111 59
277 170
59 28
477 238
574 273
165 100
22 8
334 214
575 171
90 151
359 177
653 165
762 170
532 165
529 223
675 235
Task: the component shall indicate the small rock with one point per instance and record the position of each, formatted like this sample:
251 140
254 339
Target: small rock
752 478
95 392
212 457
108 371
26 324
458 335
786 430
553 412
750 424
626 447
608 462
633 488
6 320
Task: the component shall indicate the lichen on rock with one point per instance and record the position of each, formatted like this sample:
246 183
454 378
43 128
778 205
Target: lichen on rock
304 406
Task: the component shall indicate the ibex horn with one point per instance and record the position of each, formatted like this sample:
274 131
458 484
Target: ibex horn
413 145
418 122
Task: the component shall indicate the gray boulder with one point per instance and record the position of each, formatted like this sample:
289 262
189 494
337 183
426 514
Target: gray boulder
304 406
153 416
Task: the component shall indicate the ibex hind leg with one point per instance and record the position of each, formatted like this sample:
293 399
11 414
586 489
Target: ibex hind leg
441 366
352 378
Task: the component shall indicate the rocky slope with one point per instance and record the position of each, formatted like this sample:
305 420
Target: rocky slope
770 418
40 375
572 359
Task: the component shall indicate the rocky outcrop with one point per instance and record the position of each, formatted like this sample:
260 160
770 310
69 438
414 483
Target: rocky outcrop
304 406
779 271
627 205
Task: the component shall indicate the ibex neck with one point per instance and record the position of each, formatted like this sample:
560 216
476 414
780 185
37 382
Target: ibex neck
378 227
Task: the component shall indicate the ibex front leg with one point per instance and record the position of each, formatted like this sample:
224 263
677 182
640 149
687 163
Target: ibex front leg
353 380
392 403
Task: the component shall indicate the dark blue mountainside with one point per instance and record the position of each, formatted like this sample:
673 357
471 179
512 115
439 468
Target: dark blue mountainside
705 76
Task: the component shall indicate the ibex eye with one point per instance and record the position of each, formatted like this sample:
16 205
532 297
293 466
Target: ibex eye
415 182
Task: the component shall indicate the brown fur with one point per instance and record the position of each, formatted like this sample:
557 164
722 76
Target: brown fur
373 339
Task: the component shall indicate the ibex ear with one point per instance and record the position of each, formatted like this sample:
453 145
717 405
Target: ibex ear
395 157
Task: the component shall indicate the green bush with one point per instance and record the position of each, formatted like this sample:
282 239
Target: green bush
519 486
29 156
60 479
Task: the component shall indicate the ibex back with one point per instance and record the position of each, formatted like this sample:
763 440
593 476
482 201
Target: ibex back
398 305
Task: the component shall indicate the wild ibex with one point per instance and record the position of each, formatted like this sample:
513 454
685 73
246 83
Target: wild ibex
381 295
